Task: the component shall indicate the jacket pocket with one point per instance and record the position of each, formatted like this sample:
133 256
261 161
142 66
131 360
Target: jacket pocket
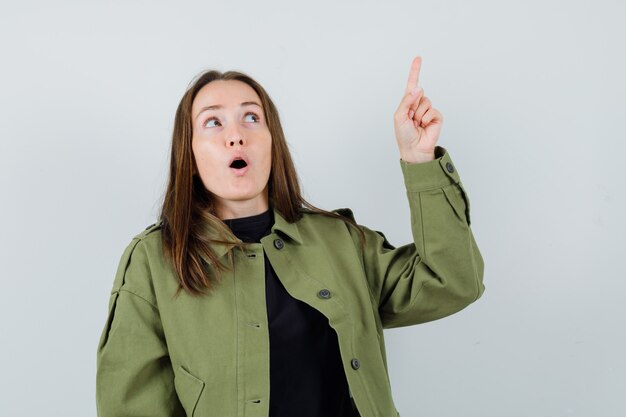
467 203
189 388
458 200
104 336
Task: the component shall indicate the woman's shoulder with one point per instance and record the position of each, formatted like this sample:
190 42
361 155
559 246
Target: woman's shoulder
328 225
329 221
151 229
342 211
149 238
139 262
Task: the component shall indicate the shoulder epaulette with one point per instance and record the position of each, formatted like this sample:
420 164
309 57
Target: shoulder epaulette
345 212
150 229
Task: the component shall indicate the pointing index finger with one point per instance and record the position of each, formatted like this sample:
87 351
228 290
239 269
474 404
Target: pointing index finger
414 75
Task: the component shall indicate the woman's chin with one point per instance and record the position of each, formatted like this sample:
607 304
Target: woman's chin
243 195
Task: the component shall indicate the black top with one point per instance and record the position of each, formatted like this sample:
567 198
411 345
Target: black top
306 375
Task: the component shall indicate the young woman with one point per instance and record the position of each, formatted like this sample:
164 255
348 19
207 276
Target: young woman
245 300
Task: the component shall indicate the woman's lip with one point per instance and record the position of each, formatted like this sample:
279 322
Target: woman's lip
241 171
239 156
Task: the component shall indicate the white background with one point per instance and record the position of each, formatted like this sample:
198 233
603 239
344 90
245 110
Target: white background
532 95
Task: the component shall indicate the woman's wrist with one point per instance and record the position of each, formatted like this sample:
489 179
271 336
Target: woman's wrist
417 157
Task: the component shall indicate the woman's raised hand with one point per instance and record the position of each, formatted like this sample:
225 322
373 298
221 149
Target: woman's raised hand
416 123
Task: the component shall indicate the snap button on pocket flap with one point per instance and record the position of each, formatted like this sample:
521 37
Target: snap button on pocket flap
189 388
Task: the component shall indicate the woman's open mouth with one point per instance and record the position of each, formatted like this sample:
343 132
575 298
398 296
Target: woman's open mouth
239 167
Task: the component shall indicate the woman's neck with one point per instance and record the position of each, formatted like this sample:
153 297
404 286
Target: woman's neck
245 208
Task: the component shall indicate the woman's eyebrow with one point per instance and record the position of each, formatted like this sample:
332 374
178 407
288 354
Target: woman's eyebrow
219 106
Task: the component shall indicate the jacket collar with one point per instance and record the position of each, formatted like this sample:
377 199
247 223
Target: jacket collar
288 229
281 225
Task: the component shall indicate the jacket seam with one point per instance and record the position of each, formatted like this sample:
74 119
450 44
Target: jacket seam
416 189
239 405
362 260
139 296
419 199
375 312
413 300
476 277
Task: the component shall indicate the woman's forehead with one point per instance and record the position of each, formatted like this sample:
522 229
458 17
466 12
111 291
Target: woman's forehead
225 93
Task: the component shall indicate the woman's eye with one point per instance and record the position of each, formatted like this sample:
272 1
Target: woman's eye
206 124
255 119
254 115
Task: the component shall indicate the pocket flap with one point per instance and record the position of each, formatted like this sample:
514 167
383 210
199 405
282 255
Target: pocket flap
458 200
189 388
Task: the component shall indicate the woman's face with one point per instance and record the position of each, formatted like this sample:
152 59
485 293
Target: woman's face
228 124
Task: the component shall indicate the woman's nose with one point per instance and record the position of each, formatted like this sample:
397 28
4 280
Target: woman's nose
233 142
234 137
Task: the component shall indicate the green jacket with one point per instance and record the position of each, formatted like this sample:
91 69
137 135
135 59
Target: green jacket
209 356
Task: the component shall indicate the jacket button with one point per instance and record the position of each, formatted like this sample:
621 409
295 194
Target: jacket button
449 167
324 293
278 244
355 363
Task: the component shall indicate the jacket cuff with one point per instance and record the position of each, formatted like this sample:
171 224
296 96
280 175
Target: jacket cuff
432 174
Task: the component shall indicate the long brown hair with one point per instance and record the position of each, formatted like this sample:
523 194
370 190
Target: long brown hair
189 210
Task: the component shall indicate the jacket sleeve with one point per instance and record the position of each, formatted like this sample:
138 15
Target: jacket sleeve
134 374
441 272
